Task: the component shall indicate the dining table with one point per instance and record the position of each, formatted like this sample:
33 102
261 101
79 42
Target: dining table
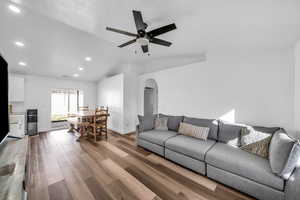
75 121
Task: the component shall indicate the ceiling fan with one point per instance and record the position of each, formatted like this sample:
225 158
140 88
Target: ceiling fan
142 37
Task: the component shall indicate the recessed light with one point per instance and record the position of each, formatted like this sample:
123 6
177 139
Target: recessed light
75 75
19 44
22 63
14 8
80 68
88 58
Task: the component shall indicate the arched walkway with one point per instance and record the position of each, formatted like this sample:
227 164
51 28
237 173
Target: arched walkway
150 97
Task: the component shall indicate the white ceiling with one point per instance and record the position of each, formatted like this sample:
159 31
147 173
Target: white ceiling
59 34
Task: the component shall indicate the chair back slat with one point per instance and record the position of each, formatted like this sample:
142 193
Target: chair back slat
101 115
84 108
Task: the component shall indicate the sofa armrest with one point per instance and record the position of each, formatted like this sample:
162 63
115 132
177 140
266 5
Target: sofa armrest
292 187
138 129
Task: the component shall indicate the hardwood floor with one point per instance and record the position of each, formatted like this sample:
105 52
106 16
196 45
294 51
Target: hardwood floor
114 169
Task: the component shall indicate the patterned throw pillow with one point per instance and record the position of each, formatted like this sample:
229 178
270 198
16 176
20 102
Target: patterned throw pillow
161 124
193 131
255 142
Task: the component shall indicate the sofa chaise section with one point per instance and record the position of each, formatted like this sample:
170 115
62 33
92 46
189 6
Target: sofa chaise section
239 165
245 185
292 190
247 172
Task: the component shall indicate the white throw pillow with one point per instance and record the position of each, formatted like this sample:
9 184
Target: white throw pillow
161 124
193 131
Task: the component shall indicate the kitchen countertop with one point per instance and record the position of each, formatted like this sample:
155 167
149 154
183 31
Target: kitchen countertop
17 113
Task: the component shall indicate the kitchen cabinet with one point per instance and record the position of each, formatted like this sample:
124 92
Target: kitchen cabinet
16 89
17 125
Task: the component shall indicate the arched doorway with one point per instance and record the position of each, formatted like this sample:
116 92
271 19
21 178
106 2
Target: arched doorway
150 97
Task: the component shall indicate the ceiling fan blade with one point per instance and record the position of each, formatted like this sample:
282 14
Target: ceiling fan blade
138 19
145 48
161 30
160 42
120 31
127 43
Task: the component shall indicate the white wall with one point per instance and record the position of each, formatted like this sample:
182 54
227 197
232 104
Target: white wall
119 93
38 96
297 86
130 101
111 93
255 87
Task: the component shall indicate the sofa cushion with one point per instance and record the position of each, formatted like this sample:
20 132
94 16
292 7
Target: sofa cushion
284 154
212 124
230 133
157 136
244 164
146 122
189 146
173 121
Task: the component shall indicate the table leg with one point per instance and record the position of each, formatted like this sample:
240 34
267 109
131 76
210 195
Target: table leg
72 128
81 132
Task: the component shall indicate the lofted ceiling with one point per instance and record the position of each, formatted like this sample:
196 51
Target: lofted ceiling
59 34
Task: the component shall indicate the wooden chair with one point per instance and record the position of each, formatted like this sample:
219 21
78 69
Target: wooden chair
83 125
83 108
99 124
102 109
84 122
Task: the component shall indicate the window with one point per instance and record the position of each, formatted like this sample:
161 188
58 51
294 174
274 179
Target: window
65 103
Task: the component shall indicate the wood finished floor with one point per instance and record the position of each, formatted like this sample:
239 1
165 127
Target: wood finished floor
114 169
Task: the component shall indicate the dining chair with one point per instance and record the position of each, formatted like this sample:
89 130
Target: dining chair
84 122
103 109
99 124
83 108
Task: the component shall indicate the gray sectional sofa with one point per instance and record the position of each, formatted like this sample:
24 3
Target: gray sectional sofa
219 157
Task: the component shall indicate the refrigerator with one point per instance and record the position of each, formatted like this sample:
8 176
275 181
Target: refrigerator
32 122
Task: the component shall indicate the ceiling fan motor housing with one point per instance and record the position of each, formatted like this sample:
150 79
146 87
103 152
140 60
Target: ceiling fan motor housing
141 33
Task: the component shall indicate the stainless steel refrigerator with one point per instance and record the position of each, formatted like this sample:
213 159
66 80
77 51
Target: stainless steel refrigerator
32 122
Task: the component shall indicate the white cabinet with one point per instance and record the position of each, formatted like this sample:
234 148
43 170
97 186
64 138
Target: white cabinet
16 89
17 125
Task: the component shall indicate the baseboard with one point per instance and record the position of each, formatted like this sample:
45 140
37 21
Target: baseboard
130 133
109 130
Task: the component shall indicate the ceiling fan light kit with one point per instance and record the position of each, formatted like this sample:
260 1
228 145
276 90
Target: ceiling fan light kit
142 41
143 38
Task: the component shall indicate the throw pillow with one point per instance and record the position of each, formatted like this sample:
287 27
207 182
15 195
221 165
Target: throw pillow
284 154
212 124
146 122
193 131
173 121
161 124
255 142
